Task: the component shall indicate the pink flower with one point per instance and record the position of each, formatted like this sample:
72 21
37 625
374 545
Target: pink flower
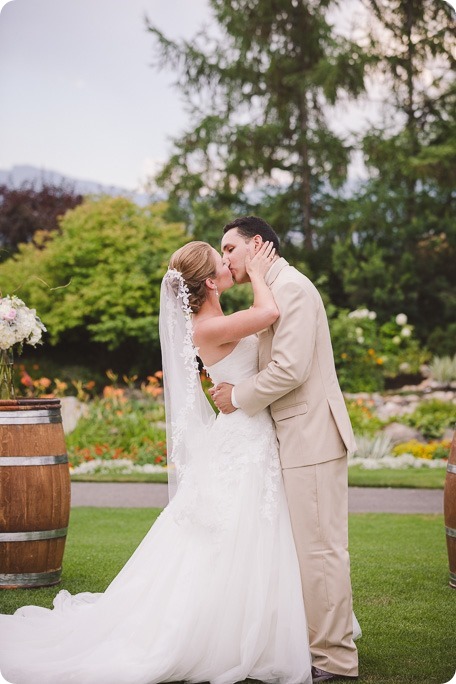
9 315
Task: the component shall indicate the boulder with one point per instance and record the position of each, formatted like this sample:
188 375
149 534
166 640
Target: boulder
399 433
72 410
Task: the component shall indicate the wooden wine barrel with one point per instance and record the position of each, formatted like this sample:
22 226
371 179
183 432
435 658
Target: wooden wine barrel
449 510
34 493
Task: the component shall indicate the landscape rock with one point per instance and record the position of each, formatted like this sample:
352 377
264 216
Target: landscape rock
72 410
448 434
399 433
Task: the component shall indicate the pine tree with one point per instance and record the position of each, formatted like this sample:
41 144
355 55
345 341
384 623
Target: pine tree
259 97
399 248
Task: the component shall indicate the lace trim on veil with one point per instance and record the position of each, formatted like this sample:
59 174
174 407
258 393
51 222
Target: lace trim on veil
188 412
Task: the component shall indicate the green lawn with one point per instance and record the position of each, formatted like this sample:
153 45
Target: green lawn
424 478
118 477
400 581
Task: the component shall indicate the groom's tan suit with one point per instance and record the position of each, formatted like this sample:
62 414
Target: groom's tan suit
298 381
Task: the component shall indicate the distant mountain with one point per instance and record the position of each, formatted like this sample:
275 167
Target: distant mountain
18 175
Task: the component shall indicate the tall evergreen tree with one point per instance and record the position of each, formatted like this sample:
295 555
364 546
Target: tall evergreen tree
259 97
400 237
414 45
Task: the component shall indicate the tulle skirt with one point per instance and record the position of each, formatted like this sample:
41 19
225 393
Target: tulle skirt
212 593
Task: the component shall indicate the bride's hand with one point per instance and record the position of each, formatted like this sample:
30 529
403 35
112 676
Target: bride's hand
261 262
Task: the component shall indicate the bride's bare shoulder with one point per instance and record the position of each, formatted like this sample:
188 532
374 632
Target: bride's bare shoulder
207 326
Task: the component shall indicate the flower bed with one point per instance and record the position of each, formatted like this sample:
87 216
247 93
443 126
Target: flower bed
123 430
122 466
119 430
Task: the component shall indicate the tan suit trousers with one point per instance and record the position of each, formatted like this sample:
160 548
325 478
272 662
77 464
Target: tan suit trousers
318 502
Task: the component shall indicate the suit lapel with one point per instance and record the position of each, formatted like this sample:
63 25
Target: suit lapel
274 271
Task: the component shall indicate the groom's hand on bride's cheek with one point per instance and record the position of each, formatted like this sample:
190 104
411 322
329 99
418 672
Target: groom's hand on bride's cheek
221 396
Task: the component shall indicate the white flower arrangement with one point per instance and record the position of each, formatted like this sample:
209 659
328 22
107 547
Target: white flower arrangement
19 325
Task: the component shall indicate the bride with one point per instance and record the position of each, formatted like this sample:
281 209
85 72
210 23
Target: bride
213 592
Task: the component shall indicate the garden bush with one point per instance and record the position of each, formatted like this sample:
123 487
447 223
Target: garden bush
443 368
432 418
367 353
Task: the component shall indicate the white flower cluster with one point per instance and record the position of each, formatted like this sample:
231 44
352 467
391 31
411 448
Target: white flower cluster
121 465
402 462
401 319
363 313
406 330
18 323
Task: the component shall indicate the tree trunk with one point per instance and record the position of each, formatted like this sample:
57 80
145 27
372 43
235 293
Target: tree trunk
410 111
305 176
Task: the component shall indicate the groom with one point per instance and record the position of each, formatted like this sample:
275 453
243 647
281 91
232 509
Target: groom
297 380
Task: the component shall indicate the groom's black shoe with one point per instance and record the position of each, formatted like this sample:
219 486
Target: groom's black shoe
323 676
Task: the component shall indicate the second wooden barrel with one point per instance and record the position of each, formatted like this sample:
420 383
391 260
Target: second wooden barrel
449 510
34 493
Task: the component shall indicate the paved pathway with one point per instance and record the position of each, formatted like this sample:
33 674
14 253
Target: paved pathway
361 499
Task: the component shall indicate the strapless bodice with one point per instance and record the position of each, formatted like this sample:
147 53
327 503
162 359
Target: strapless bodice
239 364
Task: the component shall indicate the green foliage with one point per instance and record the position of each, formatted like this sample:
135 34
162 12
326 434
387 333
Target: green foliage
362 417
443 340
397 243
356 352
264 145
390 263
236 298
402 352
432 418
98 279
117 427
443 369
367 353
271 79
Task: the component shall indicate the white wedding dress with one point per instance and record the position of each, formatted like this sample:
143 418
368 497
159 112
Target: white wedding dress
212 593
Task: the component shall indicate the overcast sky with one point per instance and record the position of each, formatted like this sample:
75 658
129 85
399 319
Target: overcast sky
78 94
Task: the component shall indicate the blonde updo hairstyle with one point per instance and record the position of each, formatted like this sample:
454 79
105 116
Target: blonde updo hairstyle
196 262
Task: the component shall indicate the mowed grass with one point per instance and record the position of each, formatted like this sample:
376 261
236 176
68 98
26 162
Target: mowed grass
423 478
402 599
400 580
414 478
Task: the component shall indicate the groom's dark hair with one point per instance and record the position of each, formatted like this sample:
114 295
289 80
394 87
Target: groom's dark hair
249 226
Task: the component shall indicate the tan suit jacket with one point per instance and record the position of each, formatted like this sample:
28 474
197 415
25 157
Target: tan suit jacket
297 376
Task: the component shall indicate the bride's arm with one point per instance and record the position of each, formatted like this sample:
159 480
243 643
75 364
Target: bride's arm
219 330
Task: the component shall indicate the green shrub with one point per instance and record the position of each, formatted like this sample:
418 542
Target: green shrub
355 345
442 341
97 280
367 353
432 418
443 369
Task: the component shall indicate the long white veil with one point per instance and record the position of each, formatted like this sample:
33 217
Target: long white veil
189 414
